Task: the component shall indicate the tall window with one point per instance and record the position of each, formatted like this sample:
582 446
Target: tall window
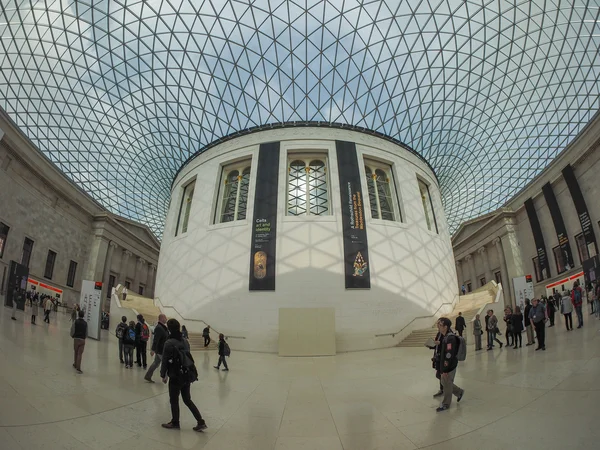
308 193
27 249
560 260
184 209
427 206
233 192
141 289
539 275
111 284
50 260
3 235
498 276
381 191
582 248
71 274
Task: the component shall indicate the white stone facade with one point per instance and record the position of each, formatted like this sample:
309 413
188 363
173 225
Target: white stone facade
203 274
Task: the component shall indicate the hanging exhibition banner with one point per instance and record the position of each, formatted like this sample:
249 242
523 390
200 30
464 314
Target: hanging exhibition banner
581 208
559 226
264 224
356 252
90 303
17 285
523 289
538 238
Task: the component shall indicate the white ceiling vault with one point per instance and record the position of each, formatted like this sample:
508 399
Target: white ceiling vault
120 93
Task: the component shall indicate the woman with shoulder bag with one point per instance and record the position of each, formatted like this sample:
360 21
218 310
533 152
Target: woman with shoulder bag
517 326
508 321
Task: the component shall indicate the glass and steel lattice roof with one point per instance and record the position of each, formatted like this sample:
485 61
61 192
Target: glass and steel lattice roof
120 93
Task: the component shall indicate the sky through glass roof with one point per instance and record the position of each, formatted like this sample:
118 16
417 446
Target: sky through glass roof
487 91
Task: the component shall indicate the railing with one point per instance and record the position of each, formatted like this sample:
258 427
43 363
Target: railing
157 299
409 323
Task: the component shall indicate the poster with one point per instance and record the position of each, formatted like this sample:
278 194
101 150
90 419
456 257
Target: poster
17 285
356 251
523 289
538 238
90 303
264 224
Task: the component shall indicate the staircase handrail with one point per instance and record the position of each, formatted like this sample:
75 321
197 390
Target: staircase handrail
418 317
198 320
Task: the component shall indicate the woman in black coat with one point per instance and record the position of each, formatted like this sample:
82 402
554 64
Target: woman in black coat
517 326
508 321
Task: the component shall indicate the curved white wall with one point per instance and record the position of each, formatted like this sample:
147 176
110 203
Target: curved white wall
204 273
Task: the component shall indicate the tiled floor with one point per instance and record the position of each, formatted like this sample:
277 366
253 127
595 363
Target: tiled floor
358 401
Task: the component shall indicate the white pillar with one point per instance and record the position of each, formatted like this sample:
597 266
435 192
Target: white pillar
151 280
486 263
459 274
473 274
124 264
506 282
107 265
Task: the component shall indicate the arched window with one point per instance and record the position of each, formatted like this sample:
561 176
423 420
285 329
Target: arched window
308 192
427 206
185 208
381 192
234 192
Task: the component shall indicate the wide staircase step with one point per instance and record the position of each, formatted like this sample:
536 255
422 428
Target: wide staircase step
196 341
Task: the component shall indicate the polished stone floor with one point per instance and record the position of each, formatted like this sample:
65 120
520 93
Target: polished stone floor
357 401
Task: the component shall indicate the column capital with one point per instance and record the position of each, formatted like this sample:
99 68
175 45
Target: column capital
497 241
127 253
481 250
113 244
141 260
468 257
153 266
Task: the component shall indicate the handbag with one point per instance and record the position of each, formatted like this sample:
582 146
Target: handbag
480 332
497 331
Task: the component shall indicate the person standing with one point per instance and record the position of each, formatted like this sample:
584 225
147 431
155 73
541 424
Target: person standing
206 335
437 348
47 309
222 353
449 364
124 293
528 326
477 332
142 334
537 316
551 310
566 309
34 310
129 341
517 326
463 289
172 366
158 343
577 300
492 329
120 333
508 322
460 324
79 333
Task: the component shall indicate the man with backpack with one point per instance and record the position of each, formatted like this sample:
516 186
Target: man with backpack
120 332
577 300
158 343
129 340
142 334
449 356
223 352
178 368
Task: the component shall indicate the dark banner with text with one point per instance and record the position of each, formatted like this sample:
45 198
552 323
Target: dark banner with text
559 226
264 224
356 252
581 208
538 238
17 285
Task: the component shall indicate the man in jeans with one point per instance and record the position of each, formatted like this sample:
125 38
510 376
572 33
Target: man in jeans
577 300
537 318
448 364
79 334
160 337
528 326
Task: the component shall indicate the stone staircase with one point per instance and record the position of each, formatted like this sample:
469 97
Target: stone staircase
469 305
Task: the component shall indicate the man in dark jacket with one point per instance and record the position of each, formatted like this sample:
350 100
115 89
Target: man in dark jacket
528 326
206 336
141 341
79 334
436 360
460 324
158 343
448 364
171 367
222 353
577 300
120 333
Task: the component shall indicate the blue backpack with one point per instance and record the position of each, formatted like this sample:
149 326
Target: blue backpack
577 296
131 334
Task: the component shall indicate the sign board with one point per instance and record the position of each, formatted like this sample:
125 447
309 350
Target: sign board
523 289
91 302
17 285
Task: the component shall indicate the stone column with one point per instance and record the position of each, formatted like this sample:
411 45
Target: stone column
97 258
459 276
506 282
123 269
473 273
151 280
139 267
486 264
107 265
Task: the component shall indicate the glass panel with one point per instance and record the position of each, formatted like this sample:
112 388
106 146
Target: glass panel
297 189
243 201
188 207
425 200
49 264
318 194
385 195
558 257
229 196
372 196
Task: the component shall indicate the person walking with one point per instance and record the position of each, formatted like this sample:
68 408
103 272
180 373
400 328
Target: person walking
34 310
435 359
577 300
179 384
142 334
158 343
120 333
537 316
517 326
206 335
460 324
508 322
492 330
47 309
449 364
124 293
222 353
566 309
79 333
477 332
129 343
528 326
551 310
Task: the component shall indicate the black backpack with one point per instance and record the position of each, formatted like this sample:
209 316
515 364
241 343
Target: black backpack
186 366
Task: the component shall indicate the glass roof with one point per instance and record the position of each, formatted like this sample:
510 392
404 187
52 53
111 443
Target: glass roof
120 93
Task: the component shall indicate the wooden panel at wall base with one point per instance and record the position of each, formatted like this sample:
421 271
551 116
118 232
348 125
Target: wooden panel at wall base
306 331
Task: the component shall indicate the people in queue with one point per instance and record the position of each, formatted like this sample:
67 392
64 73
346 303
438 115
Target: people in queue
537 317
566 309
528 326
460 324
120 333
79 333
142 334
508 321
477 332
551 308
129 343
517 326
158 343
577 300
448 364
492 330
